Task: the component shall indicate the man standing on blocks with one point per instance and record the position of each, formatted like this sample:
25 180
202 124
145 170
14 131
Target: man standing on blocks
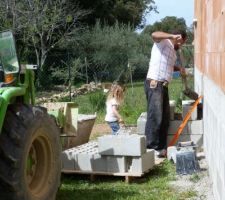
160 72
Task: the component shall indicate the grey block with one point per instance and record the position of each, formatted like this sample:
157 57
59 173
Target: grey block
85 161
141 122
143 163
192 127
196 138
116 164
186 106
68 161
122 145
171 153
174 125
195 127
99 163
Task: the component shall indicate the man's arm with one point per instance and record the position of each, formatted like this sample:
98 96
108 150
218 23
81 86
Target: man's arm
159 35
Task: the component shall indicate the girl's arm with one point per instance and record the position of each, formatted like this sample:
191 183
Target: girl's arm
116 113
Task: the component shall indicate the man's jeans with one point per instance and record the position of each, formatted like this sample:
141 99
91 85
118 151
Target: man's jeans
114 126
158 115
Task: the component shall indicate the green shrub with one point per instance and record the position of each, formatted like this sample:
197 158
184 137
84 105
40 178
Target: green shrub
97 101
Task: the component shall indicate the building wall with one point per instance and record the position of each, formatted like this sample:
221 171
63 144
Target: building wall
210 81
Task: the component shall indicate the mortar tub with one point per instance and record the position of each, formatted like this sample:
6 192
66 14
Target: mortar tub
84 128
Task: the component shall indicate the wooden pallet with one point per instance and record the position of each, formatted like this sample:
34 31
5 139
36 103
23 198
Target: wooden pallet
128 175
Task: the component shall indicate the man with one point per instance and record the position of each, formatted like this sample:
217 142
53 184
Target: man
161 67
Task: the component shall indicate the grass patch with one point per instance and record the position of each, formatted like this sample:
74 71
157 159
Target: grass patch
153 186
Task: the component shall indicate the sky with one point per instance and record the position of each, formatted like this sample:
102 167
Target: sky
178 8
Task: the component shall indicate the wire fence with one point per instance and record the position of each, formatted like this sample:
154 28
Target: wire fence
68 71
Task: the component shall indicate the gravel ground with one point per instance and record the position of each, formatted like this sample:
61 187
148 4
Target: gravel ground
199 182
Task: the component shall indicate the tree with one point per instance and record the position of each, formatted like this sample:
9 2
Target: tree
124 11
42 24
166 24
109 49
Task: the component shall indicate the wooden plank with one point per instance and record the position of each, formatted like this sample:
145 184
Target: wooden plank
128 179
102 173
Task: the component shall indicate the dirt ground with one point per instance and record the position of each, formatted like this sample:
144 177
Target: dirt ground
100 129
103 129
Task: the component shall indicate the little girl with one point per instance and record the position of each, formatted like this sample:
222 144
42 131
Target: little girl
114 100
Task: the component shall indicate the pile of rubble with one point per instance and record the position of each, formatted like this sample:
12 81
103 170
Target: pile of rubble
62 92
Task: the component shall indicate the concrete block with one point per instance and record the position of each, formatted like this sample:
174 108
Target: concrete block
99 163
141 122
142 163
192 127
85 161
172 109
174 125
68 161
116 164
186 106
171 153
122 145
195 127
197 139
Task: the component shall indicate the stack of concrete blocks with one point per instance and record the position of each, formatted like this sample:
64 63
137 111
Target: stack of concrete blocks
192 131
110 154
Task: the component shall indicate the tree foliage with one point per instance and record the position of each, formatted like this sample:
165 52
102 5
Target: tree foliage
168 24
41 24
109 49
110 11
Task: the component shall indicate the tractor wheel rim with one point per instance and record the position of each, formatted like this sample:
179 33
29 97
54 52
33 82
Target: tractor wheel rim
39 165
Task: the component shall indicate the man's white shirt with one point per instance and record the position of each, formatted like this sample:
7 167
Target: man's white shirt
163 58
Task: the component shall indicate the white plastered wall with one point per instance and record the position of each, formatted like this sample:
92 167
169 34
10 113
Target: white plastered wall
214 130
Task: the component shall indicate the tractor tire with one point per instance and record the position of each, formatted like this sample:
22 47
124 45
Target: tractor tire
30 155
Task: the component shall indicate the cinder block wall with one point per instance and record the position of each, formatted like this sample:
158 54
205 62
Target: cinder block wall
210 81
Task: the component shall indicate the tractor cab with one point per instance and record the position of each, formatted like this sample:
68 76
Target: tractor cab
9 65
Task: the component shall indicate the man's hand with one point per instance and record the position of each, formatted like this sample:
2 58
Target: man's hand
183 71
177 39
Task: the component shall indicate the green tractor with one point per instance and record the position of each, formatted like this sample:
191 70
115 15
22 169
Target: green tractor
30 148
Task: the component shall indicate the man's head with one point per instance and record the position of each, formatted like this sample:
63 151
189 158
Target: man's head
182 40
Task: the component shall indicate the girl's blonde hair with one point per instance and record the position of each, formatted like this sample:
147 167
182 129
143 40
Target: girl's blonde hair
117 92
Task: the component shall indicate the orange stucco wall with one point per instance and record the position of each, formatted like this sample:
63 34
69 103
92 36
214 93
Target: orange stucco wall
210 39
